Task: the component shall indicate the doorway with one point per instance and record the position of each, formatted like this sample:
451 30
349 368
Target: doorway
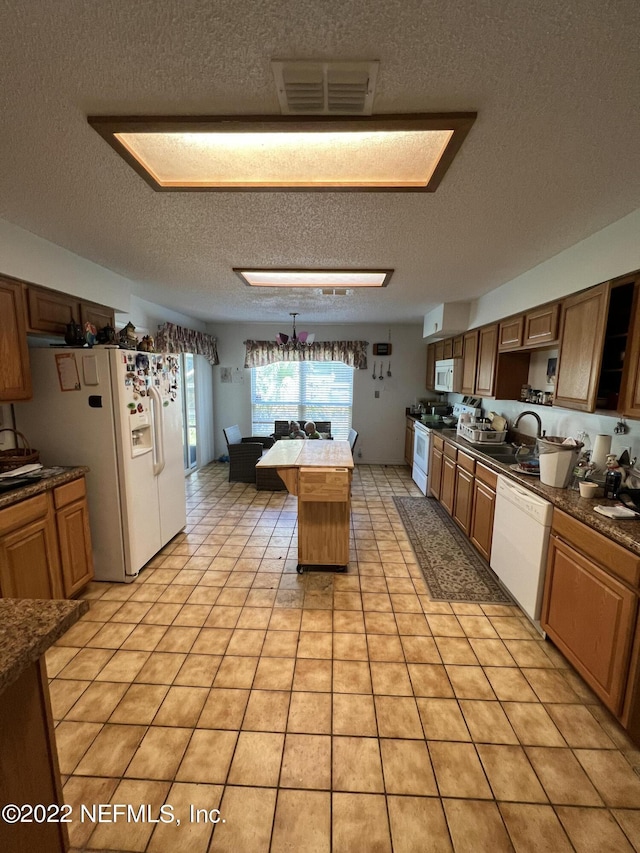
189 417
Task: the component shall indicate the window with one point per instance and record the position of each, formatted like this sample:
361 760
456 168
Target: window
302 391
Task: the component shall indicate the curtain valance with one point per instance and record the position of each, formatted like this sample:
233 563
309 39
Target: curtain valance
172 338
353 353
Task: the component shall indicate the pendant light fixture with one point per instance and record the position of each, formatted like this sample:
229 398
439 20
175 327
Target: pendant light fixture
295 341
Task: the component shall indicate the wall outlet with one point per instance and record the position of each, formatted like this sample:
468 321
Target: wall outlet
360 454
376 395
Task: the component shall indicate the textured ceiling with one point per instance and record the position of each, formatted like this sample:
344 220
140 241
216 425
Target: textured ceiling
552 157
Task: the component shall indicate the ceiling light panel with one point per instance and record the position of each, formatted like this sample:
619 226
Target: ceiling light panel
383 153
314 278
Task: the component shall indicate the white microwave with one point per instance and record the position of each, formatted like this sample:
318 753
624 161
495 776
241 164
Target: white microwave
449 375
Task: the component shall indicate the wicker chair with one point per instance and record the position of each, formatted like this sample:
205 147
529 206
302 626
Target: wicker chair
244 453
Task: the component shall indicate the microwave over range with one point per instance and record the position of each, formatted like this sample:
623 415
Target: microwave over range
449 375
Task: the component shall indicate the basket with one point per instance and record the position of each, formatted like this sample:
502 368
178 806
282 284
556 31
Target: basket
481 436
16 457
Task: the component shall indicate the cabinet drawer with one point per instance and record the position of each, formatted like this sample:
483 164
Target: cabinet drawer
468 463
613 557
23 513
486 475
68 493
324 484
450 451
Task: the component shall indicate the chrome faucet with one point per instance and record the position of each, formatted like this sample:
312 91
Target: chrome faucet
540 432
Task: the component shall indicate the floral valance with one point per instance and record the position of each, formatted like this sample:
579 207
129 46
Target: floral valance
172 338
353 353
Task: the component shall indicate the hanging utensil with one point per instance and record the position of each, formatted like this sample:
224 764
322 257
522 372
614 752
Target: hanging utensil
389 370
373 375
381 376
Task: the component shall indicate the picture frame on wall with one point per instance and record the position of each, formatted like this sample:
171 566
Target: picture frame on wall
382 349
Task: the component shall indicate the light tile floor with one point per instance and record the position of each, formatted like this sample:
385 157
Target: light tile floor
326 712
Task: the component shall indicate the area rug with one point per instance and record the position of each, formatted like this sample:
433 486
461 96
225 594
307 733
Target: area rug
452 568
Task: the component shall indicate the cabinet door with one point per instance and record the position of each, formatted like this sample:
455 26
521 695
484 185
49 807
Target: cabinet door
487 354
98 315
631 390
484 504
590 616
50 311
458 347
469 362
448 490
15 375
408 443
448 348
431 367
74 537
584 320
510 334
439 350
435 471
541 325
29 566
463 502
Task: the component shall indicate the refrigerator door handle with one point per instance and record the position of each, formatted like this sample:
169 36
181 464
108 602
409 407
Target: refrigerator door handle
158 433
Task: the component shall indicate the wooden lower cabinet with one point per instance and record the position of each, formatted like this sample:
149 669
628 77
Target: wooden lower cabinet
435 466
463 501
45 544
590 615
408 442
30 772
29 560
448 488
484 505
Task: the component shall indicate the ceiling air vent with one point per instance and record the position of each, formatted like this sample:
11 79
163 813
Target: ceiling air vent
325 88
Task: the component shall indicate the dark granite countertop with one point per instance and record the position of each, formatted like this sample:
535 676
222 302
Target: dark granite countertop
28 627
625 533
51 477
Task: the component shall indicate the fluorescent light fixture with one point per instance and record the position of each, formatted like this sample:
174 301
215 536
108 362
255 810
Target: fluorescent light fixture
391 153
313 278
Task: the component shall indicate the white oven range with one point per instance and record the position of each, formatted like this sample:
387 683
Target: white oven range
421 444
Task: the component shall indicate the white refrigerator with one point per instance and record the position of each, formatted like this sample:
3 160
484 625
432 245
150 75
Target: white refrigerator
118 412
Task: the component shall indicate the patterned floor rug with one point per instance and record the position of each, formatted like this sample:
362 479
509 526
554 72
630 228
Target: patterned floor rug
452 568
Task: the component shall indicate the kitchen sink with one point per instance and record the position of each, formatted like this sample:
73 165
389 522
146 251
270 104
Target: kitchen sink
505 458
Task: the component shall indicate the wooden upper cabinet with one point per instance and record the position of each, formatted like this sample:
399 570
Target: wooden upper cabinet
50 311
458 346
630 403
439 350
583 325
487 353
541 326
15 374
469 362
431 367
448 348
510 333
99 315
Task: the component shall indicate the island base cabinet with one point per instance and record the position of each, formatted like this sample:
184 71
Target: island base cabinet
30 773
323 533
590 616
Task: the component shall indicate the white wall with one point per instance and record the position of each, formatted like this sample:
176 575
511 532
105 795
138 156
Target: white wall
609 253
380 422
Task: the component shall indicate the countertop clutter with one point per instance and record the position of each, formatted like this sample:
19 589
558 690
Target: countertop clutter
49 478
28 627
625 533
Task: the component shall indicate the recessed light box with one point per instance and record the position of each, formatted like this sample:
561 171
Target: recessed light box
390 153
313 278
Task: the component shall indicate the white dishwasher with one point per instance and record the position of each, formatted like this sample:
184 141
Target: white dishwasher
521 527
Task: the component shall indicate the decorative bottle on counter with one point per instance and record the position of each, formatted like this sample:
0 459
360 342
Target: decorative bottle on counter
612 483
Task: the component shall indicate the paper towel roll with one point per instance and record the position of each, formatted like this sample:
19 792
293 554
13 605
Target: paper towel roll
601 447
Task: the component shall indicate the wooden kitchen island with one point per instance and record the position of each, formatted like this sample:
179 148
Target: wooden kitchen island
319 473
